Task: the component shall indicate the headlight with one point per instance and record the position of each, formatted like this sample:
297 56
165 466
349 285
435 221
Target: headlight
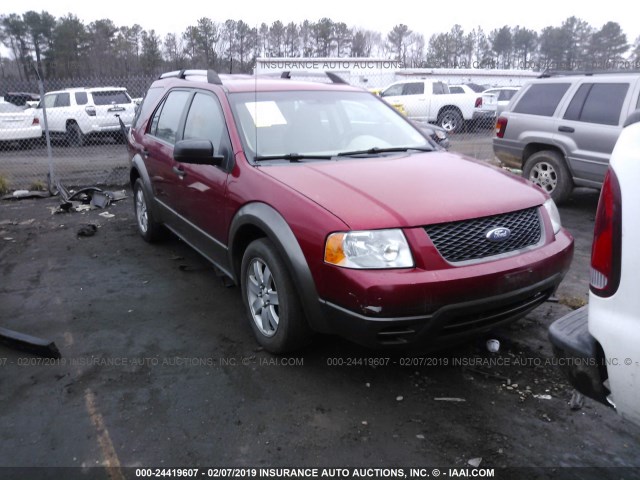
368 249
554 215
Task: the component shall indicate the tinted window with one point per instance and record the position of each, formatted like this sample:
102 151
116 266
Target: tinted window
505 95
413 88
456 90
81 98
62 100
110 97
541 99
167 118
440 88
598 103
205 120
475 87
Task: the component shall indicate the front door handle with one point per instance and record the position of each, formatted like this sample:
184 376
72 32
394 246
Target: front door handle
178 171
566 129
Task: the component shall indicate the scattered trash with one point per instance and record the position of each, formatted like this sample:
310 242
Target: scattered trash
368 385
365 423
546 417
27 222
577 400
27 343
420 436
88 230
20 194
543 397
399 398
493 345
475 462
86 198
106 215
8 239
449 399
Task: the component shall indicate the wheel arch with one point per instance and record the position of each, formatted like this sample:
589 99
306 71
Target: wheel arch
259 220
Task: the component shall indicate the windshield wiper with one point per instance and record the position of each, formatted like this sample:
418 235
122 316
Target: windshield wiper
376 150
292 157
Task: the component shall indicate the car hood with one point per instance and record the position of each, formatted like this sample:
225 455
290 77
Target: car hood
407 190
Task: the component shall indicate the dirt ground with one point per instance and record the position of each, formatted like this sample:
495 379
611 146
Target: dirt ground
159 369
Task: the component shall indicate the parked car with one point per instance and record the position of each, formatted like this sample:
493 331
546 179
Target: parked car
431 101
75 114
491 103
21 98
599 342
436 134
561 130
18 124
335 214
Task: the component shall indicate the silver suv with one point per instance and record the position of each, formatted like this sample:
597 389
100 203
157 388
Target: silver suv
561 129
76 113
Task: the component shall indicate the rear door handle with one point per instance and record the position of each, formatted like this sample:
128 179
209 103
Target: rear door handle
566 129
178 171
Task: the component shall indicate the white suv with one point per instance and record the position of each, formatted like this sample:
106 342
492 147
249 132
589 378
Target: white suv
76 113
600 343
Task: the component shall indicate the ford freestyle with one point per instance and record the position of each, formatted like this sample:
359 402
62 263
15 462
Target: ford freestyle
334 214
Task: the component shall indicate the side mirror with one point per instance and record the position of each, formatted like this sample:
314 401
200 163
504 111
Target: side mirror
198 152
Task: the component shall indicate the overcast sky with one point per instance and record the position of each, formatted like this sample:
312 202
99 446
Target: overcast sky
424 16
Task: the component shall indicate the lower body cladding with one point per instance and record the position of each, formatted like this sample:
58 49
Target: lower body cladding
447 310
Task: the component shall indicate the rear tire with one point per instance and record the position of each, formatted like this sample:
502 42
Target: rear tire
547 169
148 227
271 301
75 137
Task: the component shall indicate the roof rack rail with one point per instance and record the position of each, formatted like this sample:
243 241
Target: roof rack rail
210 76
548 73
330 75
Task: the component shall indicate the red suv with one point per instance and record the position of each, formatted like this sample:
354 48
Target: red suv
334 214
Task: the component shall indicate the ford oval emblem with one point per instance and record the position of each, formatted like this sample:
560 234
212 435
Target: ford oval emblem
498 235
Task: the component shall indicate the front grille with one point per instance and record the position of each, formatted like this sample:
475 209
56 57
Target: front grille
467 240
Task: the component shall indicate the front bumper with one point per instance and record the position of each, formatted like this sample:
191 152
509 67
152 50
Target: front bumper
446 326
579 355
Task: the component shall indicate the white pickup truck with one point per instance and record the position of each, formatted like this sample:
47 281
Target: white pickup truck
431 101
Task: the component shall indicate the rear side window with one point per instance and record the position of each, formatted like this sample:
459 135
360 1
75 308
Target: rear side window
150 101
81 98
598 103
167 118
456 90
542 99
110 97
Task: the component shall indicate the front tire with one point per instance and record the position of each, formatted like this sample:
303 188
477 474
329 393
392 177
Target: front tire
148 227
271 301
548 170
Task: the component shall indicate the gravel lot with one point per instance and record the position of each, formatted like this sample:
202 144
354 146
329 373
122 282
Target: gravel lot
159 369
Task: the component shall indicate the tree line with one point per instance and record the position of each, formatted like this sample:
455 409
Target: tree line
66 47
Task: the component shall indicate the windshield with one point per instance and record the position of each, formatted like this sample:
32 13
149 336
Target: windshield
325 123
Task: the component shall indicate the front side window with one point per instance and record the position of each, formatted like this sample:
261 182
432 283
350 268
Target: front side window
415 88
393 91
205 120
62 100
167 118
541 99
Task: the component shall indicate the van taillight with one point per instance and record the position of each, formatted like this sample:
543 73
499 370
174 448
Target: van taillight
501 126
606 250
478 102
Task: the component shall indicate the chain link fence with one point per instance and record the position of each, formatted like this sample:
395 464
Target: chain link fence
86 146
